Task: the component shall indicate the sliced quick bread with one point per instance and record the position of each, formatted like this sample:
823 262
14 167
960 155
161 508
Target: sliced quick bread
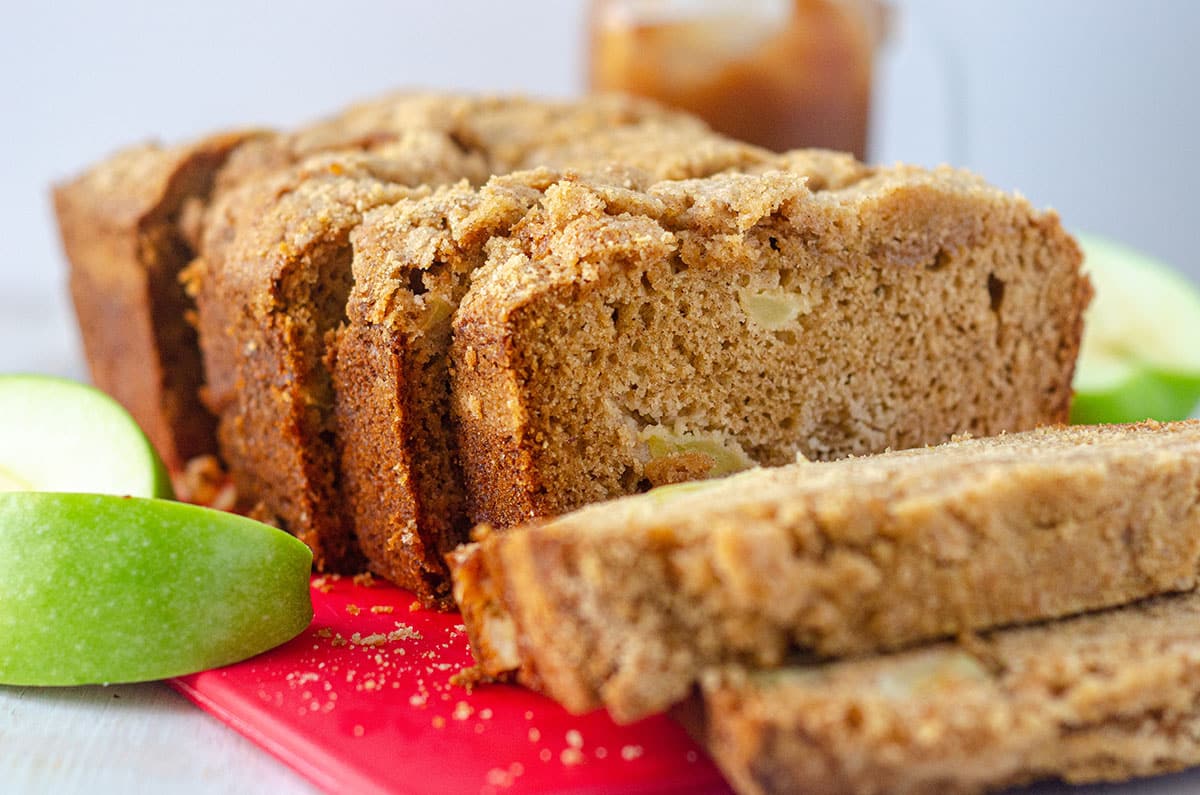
625 604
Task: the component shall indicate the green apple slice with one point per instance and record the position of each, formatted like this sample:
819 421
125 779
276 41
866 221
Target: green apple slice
1140 355
98 588
60 435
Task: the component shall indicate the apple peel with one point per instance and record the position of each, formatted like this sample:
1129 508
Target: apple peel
1140 355
100 589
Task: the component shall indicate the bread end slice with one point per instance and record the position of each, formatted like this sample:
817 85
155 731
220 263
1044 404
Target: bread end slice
124 228
1103 697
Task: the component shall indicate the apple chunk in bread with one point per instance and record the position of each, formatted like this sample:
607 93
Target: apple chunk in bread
98 588
1140 356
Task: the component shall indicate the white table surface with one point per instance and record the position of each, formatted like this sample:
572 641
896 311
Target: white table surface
126 739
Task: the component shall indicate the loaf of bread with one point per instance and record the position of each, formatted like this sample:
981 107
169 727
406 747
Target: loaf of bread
624 604
1103 697
434 310
622 331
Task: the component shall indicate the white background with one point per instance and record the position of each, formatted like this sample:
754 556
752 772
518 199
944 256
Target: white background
1091 106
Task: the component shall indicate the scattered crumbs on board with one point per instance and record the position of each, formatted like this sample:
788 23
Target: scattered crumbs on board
631 752
355 647
499 778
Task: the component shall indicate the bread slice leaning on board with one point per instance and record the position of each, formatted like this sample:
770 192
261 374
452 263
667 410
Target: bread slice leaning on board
625 605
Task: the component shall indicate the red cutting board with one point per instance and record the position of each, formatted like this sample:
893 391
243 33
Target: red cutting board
361 702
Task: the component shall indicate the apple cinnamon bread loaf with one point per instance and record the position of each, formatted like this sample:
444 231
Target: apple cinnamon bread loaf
625 604
1102 697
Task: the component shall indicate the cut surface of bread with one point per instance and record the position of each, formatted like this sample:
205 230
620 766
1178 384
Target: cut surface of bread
270 290
715 300
623 337
124 230
1102 697
624 604
413 262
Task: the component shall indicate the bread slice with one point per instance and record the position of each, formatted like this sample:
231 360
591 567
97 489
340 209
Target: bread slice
272 284
629 338
123 227
413 262
1103 697
270 289
624 604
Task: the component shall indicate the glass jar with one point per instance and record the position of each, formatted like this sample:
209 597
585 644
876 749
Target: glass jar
779 73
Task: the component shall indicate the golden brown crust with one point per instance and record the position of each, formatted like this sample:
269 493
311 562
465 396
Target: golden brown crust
123 230
1104 697
624 604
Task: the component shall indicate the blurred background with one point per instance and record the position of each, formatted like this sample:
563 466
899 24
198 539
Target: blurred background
1089 107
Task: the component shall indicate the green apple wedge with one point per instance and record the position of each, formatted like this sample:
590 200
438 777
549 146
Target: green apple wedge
1140 356
60 435
100 589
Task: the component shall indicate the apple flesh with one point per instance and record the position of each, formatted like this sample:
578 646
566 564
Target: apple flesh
1140 355
99 588
60 435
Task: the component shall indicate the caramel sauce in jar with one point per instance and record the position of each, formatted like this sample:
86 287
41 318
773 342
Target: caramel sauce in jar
779 73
